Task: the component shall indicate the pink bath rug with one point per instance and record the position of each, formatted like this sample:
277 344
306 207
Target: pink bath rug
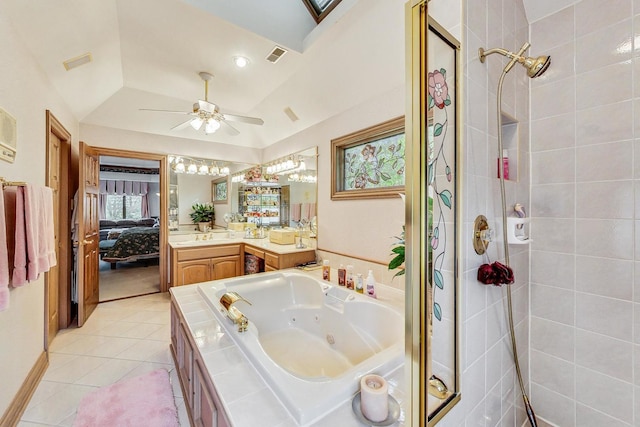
146 400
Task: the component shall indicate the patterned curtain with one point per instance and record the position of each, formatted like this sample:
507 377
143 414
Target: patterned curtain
123 188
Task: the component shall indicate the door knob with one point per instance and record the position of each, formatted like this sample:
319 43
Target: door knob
86 242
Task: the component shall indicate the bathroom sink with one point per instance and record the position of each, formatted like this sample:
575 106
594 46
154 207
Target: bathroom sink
214 241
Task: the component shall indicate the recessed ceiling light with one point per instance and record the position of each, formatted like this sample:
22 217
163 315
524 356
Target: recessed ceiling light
240 61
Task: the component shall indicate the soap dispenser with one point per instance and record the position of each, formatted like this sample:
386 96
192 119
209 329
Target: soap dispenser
371 285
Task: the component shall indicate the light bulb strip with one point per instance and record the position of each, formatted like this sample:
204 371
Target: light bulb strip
183 164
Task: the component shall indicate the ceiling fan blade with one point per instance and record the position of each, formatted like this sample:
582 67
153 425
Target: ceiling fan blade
230 130
182 125
166 111
243 119
207 106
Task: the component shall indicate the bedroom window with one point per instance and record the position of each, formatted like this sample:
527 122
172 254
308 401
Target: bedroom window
123 207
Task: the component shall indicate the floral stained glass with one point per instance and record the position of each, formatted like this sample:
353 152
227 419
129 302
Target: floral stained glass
376 164
439 179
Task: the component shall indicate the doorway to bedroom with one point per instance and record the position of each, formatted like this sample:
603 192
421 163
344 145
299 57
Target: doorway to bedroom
129 213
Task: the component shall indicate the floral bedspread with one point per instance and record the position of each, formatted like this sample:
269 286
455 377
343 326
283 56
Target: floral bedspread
135 243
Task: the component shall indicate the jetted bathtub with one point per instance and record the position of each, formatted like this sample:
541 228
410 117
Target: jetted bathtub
310 340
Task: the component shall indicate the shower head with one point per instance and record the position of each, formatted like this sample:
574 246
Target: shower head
535 66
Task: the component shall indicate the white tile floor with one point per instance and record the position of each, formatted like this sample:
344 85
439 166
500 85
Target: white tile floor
121 339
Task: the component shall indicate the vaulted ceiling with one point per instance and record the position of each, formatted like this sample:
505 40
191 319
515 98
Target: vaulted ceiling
147 54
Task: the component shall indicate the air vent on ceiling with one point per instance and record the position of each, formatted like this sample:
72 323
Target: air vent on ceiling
72 63
277 53
292 116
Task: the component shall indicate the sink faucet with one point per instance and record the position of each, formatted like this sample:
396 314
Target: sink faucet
227 300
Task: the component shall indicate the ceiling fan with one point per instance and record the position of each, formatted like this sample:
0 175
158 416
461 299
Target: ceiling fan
208 115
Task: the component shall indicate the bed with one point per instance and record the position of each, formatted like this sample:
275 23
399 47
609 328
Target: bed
132 244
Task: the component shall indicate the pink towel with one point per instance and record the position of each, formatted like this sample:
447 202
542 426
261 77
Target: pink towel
295 212
19 276
308 211
4 258
40 238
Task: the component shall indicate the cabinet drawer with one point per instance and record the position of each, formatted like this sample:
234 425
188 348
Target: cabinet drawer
253 251
208 252
272 260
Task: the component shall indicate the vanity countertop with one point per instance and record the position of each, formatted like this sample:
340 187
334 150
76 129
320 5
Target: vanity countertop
260 244
246 398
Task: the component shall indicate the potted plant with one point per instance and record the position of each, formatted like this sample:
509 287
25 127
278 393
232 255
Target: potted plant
398 251
203 214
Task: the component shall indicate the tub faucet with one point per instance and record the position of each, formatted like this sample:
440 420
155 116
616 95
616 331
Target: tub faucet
227 300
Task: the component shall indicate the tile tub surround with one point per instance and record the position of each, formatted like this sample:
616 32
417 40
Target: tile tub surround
244 395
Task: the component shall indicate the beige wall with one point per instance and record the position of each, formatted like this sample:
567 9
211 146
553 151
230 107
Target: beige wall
25 93
360 228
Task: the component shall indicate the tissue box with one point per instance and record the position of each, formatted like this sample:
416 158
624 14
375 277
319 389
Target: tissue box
282 236
241 226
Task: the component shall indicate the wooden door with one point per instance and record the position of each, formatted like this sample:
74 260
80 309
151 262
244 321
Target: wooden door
225 267
52 282
57 279
195 271
88 232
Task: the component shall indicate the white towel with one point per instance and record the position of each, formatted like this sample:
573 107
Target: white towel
40 235
4 258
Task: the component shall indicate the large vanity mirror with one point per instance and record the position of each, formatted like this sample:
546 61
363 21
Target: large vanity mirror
193 180
294 177
434 215
277 193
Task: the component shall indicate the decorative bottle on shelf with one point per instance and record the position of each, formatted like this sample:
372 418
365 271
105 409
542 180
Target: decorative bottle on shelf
350 284
505 164
342 275
359 283
371 285
326 270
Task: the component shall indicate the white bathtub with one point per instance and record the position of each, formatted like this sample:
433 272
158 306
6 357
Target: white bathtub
311 341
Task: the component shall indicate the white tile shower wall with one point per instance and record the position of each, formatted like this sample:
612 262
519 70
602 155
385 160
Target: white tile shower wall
490 393
585 265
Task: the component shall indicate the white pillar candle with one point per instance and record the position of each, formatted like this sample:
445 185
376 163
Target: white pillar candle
374 398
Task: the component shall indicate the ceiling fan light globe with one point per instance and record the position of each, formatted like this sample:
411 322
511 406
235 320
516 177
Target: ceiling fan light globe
196 123
211 126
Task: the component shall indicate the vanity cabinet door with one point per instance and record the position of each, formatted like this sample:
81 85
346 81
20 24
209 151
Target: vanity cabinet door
175 325
205 412
185 363
195 271
225 267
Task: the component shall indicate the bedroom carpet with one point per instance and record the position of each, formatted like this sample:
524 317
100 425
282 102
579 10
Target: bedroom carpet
145 400
128 279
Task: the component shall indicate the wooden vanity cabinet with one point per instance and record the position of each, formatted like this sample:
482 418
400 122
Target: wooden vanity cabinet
274 261
201 400
201 264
